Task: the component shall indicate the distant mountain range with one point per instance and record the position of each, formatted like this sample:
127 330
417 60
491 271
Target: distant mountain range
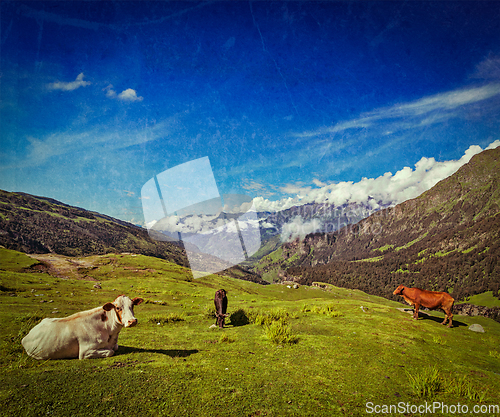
446 239
34 224
275 227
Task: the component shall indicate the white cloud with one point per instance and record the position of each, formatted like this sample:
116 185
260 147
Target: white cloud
318 183
298 228
488 69
262 204
419 113
71 141
256 188
295 189
126 95
389 188
69 86
129 95
110 93
493 145
395 124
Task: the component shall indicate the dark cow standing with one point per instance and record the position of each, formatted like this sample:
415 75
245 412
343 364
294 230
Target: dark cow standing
430 299
220 302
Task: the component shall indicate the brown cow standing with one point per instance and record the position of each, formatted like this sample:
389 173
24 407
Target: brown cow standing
220 302
430 299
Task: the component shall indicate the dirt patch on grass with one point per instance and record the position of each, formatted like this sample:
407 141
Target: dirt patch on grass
61 266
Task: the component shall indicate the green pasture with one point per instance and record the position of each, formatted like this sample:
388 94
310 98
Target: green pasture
341 348
485 299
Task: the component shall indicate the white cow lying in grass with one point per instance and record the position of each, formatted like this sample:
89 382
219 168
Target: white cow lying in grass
88 334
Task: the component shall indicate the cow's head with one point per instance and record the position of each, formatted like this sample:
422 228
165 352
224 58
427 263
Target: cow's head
124 308
399 290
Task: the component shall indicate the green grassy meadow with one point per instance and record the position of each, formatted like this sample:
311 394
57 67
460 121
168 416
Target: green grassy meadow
348 348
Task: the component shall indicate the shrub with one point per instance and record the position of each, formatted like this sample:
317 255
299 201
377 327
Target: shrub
328 310
279 313
262 319
239 318
279 332
224 338
438 340
266 318
464 388
495 354
425 384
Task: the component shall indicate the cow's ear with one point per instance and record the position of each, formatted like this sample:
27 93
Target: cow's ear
108 306
137 301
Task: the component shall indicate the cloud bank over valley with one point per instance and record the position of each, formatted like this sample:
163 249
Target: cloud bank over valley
389 188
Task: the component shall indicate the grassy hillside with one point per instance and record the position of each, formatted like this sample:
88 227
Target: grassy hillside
343 348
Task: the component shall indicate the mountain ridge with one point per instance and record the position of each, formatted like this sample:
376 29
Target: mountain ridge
446 239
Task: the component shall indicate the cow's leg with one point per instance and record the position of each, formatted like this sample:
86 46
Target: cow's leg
96 353
113 342
416 306
449 316
445 317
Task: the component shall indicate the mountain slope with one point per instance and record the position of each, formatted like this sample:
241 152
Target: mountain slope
34 224
446 239
41 225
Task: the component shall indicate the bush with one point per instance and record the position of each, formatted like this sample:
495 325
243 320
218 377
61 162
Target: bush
279 332
425 384
262 319
224 338
328 310
239 318
495 354
277 314
464 388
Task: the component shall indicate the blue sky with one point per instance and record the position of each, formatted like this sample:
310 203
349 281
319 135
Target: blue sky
287 99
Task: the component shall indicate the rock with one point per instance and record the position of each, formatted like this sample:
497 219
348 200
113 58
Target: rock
97 286
295 286
476 328
466 309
